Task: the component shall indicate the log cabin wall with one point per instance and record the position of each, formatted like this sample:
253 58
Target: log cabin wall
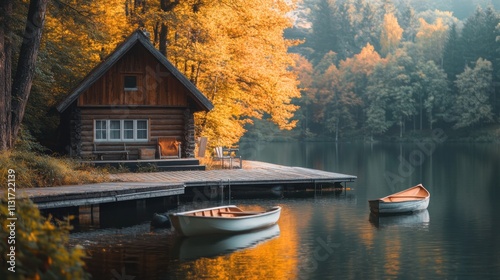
162 122
155 85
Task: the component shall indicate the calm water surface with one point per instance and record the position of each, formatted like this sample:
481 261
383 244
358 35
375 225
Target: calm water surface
333 236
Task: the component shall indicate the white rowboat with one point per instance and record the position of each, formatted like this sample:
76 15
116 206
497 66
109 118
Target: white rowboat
410 200
223 219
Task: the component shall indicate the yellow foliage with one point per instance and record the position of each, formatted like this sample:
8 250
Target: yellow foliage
364 62
391 34
431 39
38 245
235 53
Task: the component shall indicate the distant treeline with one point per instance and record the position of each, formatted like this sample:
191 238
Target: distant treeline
370 67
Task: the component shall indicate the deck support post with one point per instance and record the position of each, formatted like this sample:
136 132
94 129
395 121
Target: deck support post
314 182
221 186
92 213
229 187
140 205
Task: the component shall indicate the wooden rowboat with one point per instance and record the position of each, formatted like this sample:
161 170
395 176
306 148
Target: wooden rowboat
410 200
223 219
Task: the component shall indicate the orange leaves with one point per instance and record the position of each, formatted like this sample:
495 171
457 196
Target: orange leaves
431 39
390 35
243 64
364 62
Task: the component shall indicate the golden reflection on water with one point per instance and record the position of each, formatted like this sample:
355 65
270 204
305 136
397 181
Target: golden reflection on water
272 259
392 256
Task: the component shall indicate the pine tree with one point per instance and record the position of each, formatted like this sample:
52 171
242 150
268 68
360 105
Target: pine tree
453 54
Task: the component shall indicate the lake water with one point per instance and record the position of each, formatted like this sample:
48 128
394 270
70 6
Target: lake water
329 235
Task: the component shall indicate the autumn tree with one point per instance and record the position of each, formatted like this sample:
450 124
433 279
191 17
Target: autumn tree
357 71
304 70
431 39
337 101
391 34
236 54
15 90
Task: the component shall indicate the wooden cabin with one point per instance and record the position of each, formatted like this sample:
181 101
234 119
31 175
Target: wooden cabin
129 101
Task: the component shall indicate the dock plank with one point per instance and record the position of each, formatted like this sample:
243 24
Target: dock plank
131 186
77 195
254 172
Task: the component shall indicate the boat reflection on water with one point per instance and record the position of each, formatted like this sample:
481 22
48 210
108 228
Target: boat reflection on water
419 219
195 247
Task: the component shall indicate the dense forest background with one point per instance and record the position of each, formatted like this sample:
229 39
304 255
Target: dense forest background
381 69
312 69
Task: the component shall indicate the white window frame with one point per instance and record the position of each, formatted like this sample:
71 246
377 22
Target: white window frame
122 129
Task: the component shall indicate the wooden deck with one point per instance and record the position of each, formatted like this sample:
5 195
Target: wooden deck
133 186
252 173
68 196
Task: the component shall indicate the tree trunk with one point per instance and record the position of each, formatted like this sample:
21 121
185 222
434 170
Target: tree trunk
166 6
23 79
5 75
401 127
337 129
163 39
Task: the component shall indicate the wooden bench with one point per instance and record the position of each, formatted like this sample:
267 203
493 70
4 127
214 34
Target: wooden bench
101 153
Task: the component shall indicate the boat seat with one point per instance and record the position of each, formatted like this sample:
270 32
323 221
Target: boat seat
239 213
408 196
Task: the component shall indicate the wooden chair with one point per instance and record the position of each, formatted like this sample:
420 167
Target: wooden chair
168 147
219 155
202 146
232 152
222 154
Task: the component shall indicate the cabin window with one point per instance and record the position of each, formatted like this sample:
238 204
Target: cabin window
130 83
100 130
142 130
120 130
128 130
115 130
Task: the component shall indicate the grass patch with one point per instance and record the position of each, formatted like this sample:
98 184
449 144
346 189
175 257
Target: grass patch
37 170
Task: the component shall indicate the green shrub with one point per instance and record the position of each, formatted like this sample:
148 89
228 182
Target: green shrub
39 248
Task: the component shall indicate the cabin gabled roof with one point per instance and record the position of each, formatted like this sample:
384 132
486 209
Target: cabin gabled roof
137 37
